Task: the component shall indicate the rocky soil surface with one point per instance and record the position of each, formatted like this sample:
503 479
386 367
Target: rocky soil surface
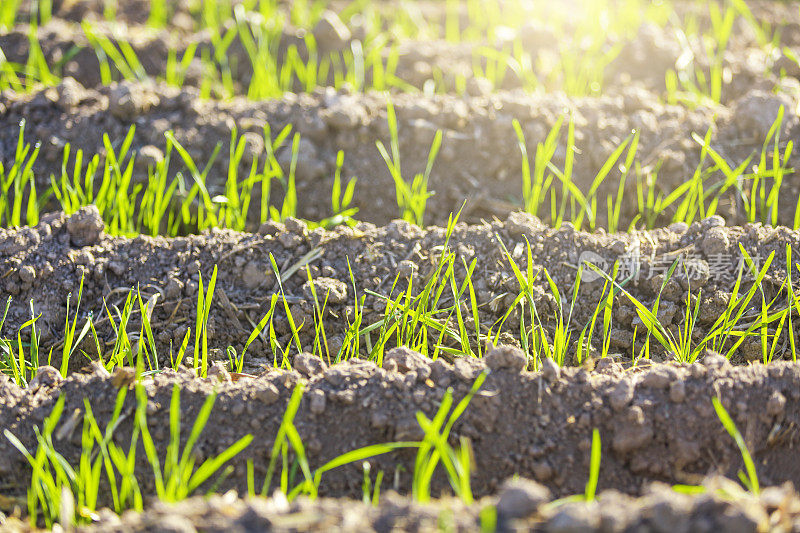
46 263
642 57
479 160
667 462
521 505
656 423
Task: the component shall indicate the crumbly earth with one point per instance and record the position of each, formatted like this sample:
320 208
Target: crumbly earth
45 264
656 422
520 506
644 55
656 419
479 160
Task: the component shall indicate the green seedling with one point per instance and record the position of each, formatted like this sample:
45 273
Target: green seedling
8 14
16 206
65 494
750 481
594 467
201 324
179 478
341 201
435 448
412 196
120 55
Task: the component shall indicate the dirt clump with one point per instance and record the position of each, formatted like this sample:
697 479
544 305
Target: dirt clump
85 226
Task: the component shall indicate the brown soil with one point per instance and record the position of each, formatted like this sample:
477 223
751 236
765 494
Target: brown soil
656 419
656 423
479 161
522 506
45 264
643 58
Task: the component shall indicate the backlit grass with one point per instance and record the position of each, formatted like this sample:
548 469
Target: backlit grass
177 197
440 317
438 314
585 41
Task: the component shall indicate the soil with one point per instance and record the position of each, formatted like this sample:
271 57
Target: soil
479 160
530 431
523 506
44 264
643 57
656 423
